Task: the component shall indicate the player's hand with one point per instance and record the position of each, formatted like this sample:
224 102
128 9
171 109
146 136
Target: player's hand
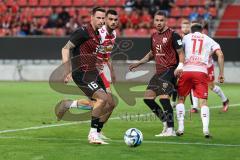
133 66
221 78
68 78
178 72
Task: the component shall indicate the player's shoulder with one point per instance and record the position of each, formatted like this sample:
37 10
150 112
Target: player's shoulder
81 30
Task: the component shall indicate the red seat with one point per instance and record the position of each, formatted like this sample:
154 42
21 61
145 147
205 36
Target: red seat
227 33
44 3
33 3
10 2
38 12
172 22
83 12
55 3
121 3
72 11
175 12
181 3
22 3
67 3
100 3
193 3
111 3
213 11
142 32
48 11
60 32
89 3
129 32
43 21
186 11
78 3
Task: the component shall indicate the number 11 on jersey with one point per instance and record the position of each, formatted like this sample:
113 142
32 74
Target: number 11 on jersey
197 48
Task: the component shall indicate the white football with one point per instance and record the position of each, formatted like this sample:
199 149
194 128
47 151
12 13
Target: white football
133 137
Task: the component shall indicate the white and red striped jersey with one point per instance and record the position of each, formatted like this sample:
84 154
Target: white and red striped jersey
198 49
107 41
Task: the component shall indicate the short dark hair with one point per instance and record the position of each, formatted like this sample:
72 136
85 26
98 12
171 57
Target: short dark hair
196 27
100 9
160 13
111 11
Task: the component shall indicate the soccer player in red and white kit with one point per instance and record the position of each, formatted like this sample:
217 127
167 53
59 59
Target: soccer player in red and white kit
83 45
107 37
166 48
194 75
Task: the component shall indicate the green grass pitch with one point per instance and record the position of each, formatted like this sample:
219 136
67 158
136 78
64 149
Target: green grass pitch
30 106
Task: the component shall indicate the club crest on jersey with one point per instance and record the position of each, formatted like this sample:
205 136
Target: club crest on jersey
164 40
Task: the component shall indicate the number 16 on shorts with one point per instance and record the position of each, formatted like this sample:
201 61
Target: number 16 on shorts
93 85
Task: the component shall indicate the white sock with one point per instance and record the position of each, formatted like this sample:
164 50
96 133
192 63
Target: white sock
205 118
194 101
180 109
219 92
170 129
74 104
92 130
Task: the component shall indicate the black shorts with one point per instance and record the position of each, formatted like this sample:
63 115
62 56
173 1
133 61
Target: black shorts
163 83
89 82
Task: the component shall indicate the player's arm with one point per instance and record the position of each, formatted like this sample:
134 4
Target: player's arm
178 45
112 72
220 56
76 38
149 56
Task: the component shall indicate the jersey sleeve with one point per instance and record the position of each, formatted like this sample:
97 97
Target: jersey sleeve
214 46
177 41
79 36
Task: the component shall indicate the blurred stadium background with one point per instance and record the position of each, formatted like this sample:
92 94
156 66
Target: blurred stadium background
32 32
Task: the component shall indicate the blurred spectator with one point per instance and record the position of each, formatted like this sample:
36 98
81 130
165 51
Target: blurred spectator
52 20
146 19
209 3
194 16
138 5
25 27
129 5
36 28
63 17
206 15
164 5
71 26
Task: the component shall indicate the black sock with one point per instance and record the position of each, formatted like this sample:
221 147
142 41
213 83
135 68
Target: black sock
156 109
94 122
100 126
168 111
174 96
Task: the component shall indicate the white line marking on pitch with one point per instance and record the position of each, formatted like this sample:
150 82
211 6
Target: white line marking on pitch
81 122
121 141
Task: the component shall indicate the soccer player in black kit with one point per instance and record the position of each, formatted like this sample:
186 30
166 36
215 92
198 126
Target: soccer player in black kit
166 49
84 71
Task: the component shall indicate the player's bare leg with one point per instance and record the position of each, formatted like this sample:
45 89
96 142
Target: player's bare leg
205 116
97 112
180 109
216 89
108 109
